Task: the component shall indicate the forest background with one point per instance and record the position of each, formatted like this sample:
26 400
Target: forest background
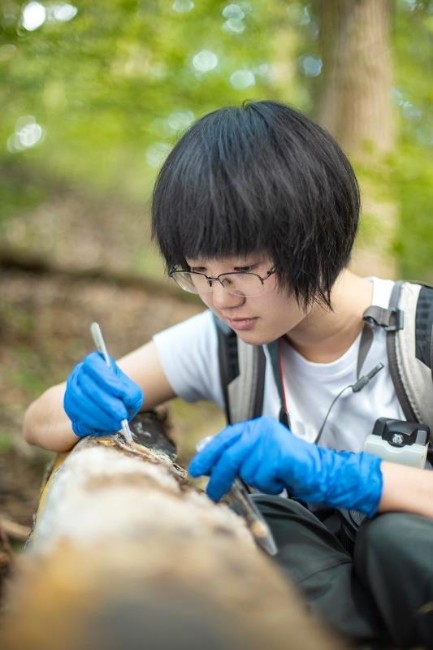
94 93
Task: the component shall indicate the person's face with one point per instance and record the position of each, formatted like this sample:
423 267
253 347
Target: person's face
259 319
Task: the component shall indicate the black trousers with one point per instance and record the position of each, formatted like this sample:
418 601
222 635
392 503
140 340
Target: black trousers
379 595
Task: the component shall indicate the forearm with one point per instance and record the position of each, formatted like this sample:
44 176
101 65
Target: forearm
406 489
46 423
268 457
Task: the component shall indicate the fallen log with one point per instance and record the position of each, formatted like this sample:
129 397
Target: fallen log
127 553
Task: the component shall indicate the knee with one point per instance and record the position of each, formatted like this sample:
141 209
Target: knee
391 538
381 530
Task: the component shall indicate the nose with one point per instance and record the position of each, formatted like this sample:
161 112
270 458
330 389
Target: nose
222 299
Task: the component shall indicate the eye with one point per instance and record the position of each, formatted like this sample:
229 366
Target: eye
246 269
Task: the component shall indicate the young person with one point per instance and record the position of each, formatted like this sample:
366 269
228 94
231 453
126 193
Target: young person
256 210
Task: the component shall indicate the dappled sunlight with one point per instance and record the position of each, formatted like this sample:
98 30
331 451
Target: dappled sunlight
182 6
96 93
28 133
234 15
112 86
35 14
180 120
311 66
157 153
242 79
205 61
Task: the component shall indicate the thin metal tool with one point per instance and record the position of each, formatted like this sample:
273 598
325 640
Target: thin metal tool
246 508
254 518
99 342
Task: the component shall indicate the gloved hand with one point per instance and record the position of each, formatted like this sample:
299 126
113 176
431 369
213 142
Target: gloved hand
99 397
270 458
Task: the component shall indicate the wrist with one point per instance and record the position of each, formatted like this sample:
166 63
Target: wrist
340 479
355 482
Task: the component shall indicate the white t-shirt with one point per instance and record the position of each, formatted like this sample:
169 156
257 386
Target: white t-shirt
189 355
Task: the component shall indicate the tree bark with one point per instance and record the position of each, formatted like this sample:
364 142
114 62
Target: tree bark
126 553
354 104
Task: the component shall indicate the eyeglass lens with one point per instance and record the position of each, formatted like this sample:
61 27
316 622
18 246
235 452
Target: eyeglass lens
243 284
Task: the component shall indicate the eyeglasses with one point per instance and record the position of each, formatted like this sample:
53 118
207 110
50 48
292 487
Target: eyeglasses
237 283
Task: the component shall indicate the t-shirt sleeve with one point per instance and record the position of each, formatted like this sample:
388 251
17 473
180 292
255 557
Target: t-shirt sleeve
188 353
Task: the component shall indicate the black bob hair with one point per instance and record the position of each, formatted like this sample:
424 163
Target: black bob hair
259 178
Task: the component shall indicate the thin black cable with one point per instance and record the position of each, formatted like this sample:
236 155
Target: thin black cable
322 426
356 387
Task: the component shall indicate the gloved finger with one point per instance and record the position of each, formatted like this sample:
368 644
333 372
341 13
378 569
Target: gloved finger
95 418
133 399
86 412
266 476
249 468
206 458
90 423
82 430
105 406
221 481
226 469
109 378
85 400
113 380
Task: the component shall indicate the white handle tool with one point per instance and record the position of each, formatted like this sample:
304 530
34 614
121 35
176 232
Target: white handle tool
102 349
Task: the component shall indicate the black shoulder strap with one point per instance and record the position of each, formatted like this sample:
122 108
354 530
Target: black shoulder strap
242 375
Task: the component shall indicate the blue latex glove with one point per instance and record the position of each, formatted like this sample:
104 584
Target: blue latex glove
267 456
99 397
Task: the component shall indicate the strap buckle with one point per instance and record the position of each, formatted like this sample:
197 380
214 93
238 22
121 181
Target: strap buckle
391 320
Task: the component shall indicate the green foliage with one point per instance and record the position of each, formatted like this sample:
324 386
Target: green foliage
98 96
18 191
414 183
413 163
113 87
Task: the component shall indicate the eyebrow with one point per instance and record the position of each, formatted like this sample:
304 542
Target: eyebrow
240 267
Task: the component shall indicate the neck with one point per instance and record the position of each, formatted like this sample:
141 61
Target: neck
325 334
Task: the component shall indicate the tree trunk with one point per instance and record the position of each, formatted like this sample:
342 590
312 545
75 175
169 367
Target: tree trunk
355 105
126 553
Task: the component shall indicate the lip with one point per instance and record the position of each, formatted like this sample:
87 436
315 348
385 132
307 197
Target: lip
241 324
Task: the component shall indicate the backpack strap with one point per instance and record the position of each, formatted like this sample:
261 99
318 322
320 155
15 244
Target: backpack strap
242 374
275 356
393 343
414 349
424 326
408 322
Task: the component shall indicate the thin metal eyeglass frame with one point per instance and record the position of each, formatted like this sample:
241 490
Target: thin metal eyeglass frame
172 274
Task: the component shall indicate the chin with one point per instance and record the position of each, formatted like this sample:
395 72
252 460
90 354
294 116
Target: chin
255 338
